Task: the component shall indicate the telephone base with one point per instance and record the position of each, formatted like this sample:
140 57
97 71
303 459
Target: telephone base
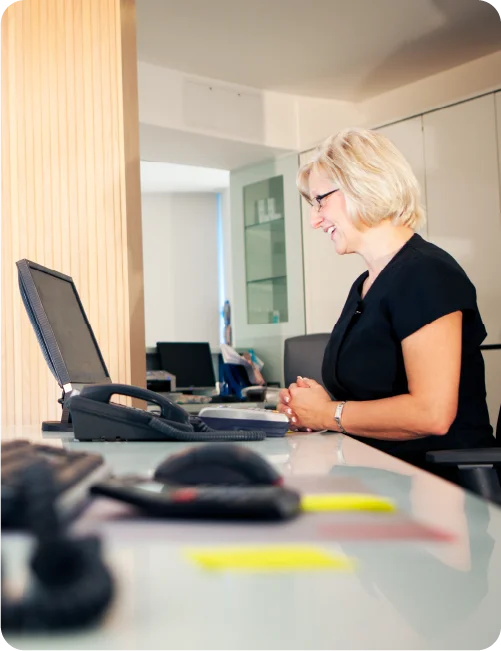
56 426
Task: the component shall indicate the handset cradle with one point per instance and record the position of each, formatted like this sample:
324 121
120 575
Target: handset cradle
104 393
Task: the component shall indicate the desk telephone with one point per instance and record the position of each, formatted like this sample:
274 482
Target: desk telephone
95 418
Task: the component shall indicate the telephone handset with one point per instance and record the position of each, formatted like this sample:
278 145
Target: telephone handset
95 418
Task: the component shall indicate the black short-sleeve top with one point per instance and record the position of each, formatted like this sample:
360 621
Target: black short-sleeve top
363 359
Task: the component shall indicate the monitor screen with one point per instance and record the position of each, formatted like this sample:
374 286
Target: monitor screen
61 324
191 363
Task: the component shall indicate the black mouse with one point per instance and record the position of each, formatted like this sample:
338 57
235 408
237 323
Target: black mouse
218 464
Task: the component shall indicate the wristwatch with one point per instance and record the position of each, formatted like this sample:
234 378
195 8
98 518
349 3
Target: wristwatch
337 416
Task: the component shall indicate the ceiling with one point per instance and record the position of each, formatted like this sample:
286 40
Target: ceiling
169 177
339 49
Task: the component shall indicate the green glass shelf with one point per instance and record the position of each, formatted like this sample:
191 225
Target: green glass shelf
266 280
271 221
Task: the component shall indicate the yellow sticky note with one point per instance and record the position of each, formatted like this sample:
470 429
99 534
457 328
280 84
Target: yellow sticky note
269 558
346 502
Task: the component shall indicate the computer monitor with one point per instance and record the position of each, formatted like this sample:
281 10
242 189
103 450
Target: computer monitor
191 363
63 332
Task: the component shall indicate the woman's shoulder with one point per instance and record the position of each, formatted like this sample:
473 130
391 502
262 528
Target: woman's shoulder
427 284
423 259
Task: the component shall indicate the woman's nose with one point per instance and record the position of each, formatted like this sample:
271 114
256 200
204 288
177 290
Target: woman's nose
315 218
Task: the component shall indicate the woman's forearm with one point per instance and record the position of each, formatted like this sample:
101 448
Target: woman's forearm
398 418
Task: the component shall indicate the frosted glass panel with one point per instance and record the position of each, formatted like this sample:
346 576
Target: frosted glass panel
267 301
265 250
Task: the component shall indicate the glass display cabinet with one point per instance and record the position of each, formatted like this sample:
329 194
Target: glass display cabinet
265 251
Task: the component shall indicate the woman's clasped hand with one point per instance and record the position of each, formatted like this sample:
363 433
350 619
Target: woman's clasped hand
308 406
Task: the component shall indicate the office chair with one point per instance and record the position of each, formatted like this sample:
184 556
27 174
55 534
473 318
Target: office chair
303 355
478 469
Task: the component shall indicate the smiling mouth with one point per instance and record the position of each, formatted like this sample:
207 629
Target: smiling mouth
331 230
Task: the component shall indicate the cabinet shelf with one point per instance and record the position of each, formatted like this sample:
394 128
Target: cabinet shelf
271 221
265 280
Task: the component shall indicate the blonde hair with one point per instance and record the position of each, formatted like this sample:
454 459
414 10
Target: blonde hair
375 178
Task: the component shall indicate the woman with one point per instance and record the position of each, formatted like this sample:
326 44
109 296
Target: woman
403 362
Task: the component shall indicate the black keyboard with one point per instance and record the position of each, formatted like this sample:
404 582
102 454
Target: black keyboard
72 475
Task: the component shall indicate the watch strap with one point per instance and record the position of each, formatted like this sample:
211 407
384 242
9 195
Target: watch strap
338 415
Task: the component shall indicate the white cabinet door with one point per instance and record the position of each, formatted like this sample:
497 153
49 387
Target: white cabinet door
408 137
462 187
268 338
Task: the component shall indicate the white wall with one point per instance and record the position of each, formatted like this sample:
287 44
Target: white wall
180 267
174 102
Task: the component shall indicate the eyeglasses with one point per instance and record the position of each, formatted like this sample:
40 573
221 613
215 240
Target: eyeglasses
320 197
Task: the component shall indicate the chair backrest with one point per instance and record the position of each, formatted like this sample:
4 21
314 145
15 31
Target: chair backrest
303 355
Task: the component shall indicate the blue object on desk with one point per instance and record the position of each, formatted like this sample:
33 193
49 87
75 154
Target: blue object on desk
232 379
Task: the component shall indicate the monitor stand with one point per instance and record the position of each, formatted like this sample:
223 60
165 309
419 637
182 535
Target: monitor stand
63 425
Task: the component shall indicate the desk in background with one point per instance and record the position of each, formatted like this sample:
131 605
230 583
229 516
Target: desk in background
194 408
405 594
161 380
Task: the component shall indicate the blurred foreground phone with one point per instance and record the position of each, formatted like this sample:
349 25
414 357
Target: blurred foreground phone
95 418
205 502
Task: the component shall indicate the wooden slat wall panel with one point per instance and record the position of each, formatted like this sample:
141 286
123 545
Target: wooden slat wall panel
130 126
70 185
